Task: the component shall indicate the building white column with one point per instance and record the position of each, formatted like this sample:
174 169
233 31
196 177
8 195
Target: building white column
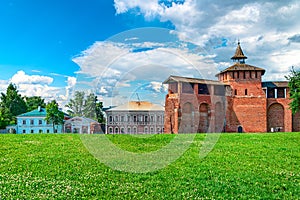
275 93
285 93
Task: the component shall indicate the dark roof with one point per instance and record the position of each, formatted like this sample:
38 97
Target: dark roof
274 84
239 54
173 79
242 67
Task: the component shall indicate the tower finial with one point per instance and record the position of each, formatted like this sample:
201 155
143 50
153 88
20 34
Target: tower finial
239 54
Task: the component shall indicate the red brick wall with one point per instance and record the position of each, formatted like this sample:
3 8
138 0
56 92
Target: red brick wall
248 112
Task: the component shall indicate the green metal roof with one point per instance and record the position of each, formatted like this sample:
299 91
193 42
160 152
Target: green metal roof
40 112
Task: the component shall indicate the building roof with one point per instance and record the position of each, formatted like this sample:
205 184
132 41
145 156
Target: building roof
81 119
274 84
173 79
239 54
138 106
39 112
242 67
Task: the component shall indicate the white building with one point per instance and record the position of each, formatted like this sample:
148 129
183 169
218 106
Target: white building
135 117
82 125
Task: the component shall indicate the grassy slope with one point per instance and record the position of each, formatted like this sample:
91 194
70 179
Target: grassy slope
240 166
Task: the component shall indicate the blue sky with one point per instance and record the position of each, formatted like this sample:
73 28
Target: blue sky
48 48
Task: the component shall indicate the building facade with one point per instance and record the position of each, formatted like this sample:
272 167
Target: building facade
135 117
82 125
34 122
238 102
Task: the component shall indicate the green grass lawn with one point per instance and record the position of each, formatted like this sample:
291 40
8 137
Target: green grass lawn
241 166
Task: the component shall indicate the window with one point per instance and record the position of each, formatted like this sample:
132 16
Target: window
40 131
24 122
235 92
203 89
280 93
116 118
40 122
173 87
48 131
146 118
122 118
122 130
24 131
134 130
158 130
31 122
152 118
134 118
110 130
271 92
31 131
188 88
219 90
151 130
110 118
128 118
158 118
246 92
116 130
146 129
128 130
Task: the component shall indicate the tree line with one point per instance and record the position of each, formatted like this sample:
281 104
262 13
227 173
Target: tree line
13 104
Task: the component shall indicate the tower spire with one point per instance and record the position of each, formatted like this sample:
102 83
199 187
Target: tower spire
239 54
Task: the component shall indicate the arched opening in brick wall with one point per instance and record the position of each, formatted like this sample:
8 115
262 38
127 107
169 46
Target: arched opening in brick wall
296 122
219 117
276 118
204 118
187 119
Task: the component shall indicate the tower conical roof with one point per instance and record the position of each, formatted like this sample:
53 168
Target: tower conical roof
239 54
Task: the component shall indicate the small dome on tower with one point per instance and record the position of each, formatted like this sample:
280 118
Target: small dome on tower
239 54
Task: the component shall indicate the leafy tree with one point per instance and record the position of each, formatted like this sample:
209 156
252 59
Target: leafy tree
86 105
34 102
54 115
76 105
5 117
90 106
13 101
99 112
294 85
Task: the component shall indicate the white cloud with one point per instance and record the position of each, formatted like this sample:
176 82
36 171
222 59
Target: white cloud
21 78
111 67
157 87
267 29
38 85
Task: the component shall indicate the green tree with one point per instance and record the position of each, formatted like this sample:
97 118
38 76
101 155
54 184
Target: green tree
13 101
5 117
34 102
294 85
99 112
76 105
90 106
54 115
86 105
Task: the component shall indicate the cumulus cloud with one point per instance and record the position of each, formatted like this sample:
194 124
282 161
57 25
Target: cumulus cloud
266 28
157 87
38 85
111 67
21 78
